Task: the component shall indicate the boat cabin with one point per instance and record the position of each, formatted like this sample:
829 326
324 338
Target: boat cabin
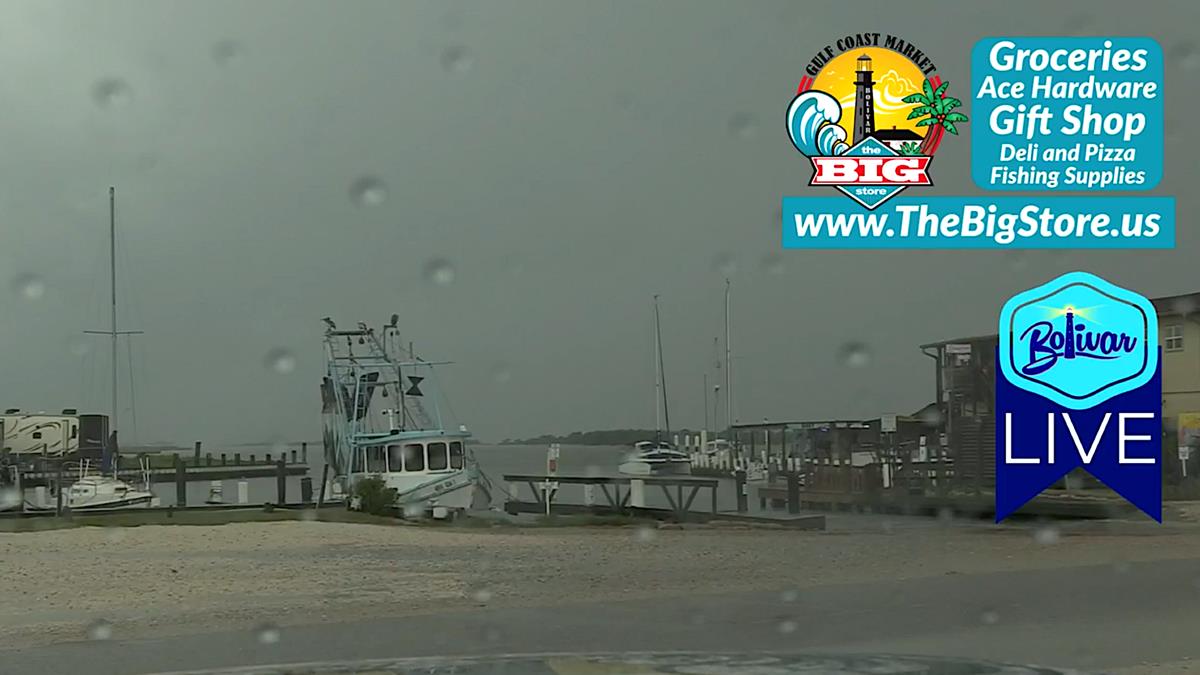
412 456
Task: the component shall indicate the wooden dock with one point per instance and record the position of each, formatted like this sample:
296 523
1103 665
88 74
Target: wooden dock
625 495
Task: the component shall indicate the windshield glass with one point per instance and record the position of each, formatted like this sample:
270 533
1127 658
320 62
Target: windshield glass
594 336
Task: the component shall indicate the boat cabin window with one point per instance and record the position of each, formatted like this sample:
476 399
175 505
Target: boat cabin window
376 463
395 455
356 461
437 457
414 457
456 455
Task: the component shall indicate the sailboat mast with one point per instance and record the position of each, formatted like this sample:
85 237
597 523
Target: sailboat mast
112 267
662 373
728 378
657 379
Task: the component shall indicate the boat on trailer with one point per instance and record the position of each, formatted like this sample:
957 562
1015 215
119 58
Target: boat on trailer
382 419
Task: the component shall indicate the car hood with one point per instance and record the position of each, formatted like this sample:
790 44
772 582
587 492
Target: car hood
650 663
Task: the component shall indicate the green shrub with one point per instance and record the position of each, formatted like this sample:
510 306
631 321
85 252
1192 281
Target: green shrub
374 496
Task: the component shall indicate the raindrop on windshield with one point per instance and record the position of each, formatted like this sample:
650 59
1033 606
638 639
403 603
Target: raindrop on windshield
1046 535
481 595
501 373
854 355
280 361
743 125
99 629
772 263
439 271
1185 55
29 286
457 59
790 595
931 417
10 498
225 52
788 626
111 93
724 264
989 617
267 634
1184 305
645 534
368 191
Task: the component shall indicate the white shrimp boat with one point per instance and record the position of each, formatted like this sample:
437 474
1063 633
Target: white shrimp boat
382 420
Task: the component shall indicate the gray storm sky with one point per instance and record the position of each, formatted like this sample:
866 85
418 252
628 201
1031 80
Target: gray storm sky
567 159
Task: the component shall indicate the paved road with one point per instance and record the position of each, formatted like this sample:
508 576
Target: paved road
1094 618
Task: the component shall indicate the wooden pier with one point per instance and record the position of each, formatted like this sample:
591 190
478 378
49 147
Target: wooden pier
680 493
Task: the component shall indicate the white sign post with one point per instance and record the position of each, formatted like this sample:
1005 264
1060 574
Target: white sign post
1185 453
550 486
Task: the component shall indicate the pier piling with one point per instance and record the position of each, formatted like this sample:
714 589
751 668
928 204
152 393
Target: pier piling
196 454
304 452
180 482
793 492
281 480
739 482
306 490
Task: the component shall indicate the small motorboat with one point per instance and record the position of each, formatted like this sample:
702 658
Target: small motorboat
652 458
106 492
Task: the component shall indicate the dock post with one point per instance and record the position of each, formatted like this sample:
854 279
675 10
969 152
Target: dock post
180 482
222 459
237 459
324 482
196 455
293 457
306 490
304 452
58 488
793 492
251 459
281 480
739 482
637 493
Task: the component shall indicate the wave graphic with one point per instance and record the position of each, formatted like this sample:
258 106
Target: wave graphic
812 120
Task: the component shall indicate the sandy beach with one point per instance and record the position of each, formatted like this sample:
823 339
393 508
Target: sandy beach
159 580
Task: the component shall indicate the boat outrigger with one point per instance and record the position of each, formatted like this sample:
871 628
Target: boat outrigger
382 419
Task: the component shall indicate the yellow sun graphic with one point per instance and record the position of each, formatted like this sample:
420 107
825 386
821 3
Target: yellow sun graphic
895 77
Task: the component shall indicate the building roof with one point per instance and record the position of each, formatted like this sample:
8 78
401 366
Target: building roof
1186 303
978 339
895 134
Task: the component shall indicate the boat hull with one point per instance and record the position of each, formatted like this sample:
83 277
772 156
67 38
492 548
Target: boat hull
637 467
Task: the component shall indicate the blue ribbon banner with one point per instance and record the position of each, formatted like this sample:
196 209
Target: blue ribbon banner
1038 442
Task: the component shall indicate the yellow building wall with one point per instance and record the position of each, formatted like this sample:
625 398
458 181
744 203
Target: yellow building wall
1180 369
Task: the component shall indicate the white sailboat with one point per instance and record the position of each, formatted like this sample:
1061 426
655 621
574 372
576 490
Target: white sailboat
98 490
658 456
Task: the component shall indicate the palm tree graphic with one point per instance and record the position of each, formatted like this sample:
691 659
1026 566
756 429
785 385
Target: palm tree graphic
937 107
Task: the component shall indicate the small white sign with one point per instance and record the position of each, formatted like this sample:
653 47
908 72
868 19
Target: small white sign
958 349
887 424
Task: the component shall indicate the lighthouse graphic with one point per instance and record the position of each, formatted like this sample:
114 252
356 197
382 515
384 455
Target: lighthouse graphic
864 101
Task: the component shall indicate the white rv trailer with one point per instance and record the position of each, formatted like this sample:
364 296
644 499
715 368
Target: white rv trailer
50 435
